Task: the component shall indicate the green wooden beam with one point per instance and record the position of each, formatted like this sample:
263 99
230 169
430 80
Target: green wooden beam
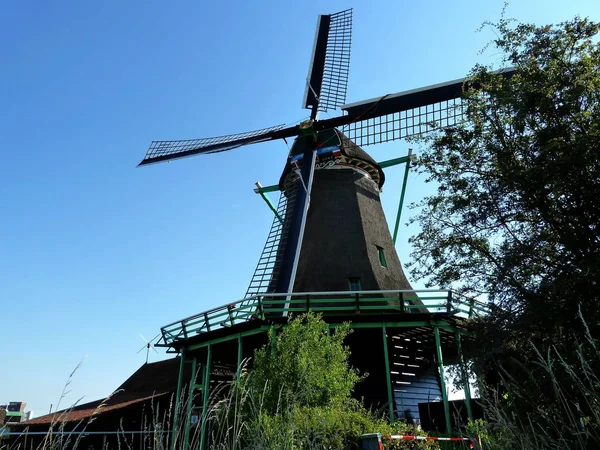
205 397
388 378
263 193
402 193
273 340
265 189
190 402
440 361
394 162
229 338
178 400
239 358
465 375
439 323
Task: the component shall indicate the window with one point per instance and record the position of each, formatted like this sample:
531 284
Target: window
381 256
354 284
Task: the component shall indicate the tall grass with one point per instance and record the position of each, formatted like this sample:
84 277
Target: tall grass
236 419
558 407
65 434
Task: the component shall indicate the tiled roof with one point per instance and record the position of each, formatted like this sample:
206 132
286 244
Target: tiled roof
157 376
150 380
87 410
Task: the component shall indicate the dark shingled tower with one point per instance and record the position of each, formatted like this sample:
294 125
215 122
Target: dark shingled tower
347 242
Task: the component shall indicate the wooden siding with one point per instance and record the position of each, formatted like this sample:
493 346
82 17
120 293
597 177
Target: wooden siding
414 375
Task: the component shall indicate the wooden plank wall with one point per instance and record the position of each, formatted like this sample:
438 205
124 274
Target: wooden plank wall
414 375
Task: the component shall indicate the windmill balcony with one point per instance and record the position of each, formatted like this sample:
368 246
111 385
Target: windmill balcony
270 308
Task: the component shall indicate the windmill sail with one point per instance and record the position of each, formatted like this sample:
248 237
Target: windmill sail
327 81
407 122
408 113
160 151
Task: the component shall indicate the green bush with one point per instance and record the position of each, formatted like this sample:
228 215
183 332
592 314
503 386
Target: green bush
330 428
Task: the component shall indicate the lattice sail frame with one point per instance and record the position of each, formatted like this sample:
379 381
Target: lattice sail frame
167 150
337 62
404 124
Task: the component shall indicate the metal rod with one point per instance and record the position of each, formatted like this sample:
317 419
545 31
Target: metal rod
388 378
302 226
205 392
189 405
402 192
465 375
438 348
178 399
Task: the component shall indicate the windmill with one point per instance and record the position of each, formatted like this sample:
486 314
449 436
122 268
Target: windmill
329 233
321 143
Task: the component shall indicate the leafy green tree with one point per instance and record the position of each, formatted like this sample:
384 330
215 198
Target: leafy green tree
516 214
306 365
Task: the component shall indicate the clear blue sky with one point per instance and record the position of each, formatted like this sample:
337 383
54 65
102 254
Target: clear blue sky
94 251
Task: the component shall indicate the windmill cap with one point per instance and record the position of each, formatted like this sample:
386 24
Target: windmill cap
352 154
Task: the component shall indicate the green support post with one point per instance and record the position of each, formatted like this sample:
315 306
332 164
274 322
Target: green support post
465 375
239 358
391 162
397 226
438 348
203 415
273 334
263 193
189 406
205 392
178 400
262 329
272 188
388 377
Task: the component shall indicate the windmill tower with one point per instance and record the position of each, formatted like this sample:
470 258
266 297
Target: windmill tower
347 244
330 248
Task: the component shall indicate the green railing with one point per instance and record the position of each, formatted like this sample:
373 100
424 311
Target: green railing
331 303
